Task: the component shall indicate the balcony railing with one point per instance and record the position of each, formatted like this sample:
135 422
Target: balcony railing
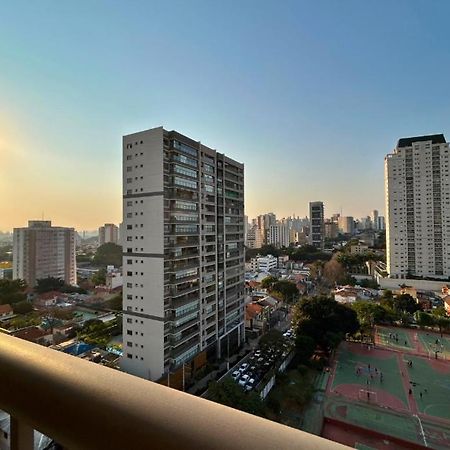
84 406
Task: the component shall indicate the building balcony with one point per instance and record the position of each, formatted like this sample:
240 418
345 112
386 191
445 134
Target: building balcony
140 414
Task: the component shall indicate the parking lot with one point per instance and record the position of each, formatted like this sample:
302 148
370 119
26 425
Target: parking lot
252 369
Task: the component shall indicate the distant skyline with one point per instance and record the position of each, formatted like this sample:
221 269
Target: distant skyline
310 96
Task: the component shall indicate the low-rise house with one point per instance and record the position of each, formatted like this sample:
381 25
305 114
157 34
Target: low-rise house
6 312
254 317
446 301
47 299
35 334
350 294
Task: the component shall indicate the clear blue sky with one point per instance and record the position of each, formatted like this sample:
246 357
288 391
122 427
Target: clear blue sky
309 95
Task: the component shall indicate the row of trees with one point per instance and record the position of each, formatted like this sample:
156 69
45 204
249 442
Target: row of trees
400 308
306 253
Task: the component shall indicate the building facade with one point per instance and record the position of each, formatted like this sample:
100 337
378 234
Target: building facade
41 251
108 233
418 208
183 264
317 230
346 225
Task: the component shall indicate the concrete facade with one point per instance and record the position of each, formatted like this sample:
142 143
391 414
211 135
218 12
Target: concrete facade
317 227
183 263
417 188
41 251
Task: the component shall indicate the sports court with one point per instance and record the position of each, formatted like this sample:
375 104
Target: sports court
414 341
387 396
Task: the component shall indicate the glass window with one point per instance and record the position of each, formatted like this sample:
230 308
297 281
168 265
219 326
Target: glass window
185 171
185 183
185 148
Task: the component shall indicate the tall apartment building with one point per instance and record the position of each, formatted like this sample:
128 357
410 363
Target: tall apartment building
264 222
417 188
346 224
279 235
183 263
317 227
108 233
41 251
374 219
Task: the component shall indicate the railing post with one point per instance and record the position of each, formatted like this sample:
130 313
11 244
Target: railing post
22 435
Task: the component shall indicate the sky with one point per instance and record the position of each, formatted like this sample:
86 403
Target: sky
310 96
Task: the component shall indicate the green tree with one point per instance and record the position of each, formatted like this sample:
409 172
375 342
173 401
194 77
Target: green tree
287 289
12 291
305 347
49 284
273 338
22 307
229 393
267 282
108 254
322 318
441 319
424 319
370 314
405 303
99 277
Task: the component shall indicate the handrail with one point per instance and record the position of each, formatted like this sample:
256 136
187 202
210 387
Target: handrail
85 406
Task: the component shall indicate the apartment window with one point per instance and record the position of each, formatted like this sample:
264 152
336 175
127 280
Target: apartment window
129 355
185 171
130 333
185 183
185 148
129 344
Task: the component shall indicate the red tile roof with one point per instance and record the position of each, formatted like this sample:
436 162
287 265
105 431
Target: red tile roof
5 309
31 333
252 310
49 295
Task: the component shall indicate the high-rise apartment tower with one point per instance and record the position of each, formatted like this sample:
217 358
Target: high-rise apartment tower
42 251
317 227
108 233
183 264
417 187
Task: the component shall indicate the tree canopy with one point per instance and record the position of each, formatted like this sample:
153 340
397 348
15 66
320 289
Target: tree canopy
229 393
108 254
12 291
325 320
49 284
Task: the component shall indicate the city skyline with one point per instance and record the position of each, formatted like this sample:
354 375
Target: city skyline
311 111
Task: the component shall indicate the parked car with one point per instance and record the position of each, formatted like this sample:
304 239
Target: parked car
243 380
235 375
243 367
250 384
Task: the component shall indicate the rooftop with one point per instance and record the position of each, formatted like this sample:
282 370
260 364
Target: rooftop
434 138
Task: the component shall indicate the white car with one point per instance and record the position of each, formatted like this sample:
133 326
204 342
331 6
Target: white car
243 380
250 384
236 374
243 367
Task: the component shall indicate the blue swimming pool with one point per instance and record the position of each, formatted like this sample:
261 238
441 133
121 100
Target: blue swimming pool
78 348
